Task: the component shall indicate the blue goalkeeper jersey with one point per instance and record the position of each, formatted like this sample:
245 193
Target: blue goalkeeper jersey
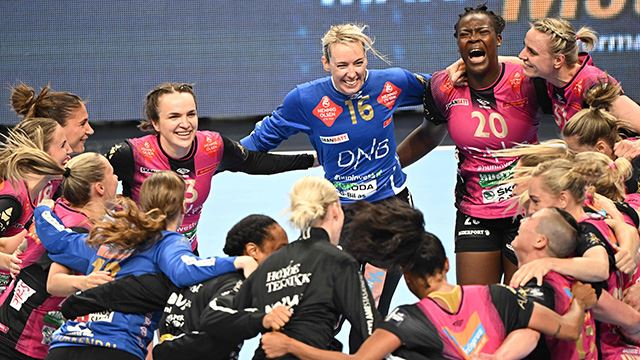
353 135
171 254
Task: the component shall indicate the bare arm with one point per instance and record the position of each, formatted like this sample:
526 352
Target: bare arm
593 266
10 244
377 346
627 110
569 325
10 262
566 327
61 282
610 310
518 344
420 142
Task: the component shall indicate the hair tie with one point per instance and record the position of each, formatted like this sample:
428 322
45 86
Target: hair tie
613 165
67 172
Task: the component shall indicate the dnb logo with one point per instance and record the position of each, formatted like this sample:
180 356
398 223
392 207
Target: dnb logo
471 339
327 111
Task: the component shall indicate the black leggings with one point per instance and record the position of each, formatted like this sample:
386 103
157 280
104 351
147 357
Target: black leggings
88 353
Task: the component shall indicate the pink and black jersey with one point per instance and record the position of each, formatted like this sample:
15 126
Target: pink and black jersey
555 293
566 101
612 343
137 159
16 213
479 121
485 314
17 208
197 171
28 313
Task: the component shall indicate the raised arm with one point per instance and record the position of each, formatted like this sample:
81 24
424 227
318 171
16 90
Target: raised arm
627 110
426 136
285 121
58 239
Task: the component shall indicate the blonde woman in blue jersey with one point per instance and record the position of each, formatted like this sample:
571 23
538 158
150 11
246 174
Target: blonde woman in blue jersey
348 117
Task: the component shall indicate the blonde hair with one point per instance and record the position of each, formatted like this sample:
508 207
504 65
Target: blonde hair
595 123
310 198
130 226
560 175
529 156
24 150
56 105
606 176
84 170
564 38
349 33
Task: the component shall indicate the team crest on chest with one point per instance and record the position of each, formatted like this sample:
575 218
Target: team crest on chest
389 95
210 145
327 111
515 80
578 88
147 150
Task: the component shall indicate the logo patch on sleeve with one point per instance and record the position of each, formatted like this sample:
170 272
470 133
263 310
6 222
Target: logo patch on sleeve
389 95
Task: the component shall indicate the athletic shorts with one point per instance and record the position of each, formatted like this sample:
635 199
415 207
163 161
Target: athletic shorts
482 235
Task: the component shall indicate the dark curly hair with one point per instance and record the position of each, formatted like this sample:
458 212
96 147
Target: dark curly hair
391 234
497 20
253 228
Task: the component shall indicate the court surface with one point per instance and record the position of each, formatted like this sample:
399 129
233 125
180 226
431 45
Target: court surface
235 195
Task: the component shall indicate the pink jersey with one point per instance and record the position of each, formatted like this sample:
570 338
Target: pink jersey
206 157
28 314
568 100
17 190
476 327
585 346
479 121
612 344
633 200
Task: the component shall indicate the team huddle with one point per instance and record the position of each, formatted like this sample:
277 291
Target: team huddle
89 274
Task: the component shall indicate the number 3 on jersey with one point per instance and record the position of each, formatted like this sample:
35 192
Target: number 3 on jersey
190 193
497 125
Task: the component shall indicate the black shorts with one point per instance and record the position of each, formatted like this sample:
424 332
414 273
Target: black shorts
481 235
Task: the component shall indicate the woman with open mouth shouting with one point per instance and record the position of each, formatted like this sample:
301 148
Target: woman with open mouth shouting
496 110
